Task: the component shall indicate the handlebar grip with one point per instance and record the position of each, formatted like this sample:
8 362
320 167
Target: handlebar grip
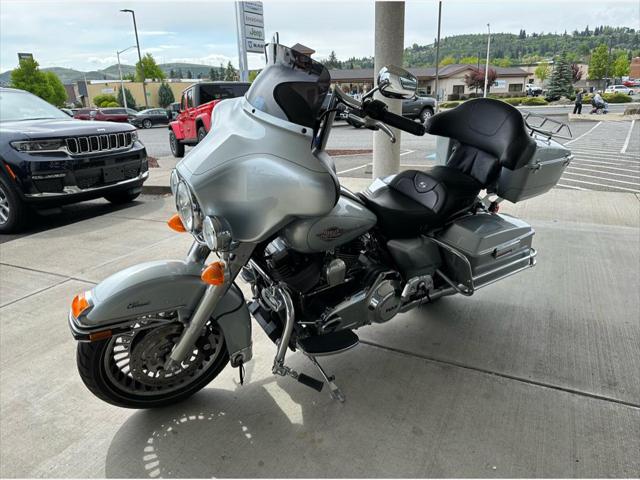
378 111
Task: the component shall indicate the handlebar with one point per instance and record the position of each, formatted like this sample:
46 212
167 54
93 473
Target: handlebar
379 111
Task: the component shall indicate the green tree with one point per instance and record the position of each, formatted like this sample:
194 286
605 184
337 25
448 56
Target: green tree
172 73
470 60
189 74
502 62
30 78
598 62
332 61
213 75
165 95
253 74
447 61
131 102
621 65
561 83
542 71
230 72
58 95
149 68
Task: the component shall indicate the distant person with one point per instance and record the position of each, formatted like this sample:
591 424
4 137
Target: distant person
578 104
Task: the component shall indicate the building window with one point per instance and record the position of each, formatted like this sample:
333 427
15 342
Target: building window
459 89
515 87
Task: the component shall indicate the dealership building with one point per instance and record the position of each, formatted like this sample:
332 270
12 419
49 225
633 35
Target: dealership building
451 80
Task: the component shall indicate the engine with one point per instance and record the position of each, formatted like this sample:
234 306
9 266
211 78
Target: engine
345 288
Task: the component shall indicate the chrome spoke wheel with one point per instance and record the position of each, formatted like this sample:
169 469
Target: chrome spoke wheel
135 362
4 206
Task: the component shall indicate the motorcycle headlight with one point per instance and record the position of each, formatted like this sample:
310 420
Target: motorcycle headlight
184 205
216 233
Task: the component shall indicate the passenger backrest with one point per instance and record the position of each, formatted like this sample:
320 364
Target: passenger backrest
492 126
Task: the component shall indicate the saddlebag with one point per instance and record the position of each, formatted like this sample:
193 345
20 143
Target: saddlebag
482 248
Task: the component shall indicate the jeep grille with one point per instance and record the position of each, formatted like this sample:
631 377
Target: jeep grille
99 143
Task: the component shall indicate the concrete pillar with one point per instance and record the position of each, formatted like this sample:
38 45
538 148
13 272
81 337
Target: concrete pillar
389 46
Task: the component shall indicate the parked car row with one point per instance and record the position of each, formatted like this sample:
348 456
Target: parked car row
142 119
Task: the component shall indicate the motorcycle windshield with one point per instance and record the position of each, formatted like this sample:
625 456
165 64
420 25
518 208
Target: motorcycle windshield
291 87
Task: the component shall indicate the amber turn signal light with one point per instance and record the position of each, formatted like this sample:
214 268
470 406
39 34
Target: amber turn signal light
213 274
176 224
79 304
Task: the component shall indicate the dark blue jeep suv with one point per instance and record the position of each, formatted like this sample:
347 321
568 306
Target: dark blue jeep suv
48 159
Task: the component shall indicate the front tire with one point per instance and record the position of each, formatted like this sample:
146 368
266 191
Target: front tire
126 371
177 148
202 132
426 114
123 197
146 123
13 211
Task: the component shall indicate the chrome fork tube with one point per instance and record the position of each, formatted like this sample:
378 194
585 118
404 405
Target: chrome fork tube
234 261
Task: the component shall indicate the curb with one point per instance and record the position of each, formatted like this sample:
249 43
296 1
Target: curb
156 189
609 117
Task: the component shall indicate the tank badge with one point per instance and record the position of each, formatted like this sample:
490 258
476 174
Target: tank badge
333 233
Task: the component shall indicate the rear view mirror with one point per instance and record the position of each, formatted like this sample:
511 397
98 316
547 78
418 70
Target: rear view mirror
396 82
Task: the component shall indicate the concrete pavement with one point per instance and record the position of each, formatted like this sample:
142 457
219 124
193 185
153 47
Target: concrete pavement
536 376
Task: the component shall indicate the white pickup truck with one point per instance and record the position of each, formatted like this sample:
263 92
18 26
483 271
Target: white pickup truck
532 90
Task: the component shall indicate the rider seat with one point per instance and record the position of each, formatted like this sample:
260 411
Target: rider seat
488 135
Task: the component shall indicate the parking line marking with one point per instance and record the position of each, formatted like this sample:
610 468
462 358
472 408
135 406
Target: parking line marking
353 169
617 165
407 152
605 179
584 134
570 186
596 156
602 185
600 171
628 139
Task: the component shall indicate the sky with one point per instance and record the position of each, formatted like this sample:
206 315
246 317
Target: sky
86 34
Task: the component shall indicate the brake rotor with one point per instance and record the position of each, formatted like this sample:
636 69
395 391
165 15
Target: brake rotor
150 351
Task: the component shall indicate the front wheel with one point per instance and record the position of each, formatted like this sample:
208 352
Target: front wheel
13 212
128 370
146 123
426 114
177 148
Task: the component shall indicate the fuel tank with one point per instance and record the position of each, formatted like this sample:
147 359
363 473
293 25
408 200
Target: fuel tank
258 172
345 222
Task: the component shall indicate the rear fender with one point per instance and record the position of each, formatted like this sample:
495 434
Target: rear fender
150 288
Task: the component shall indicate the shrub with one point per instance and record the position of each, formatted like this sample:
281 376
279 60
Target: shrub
616 97
449 104
111 104
103 100
534 101
513 101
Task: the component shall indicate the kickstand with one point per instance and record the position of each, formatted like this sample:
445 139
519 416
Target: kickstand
334 390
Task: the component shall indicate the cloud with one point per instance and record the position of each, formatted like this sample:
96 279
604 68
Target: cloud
154 33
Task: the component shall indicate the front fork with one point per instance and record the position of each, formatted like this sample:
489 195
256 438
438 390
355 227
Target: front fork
233 263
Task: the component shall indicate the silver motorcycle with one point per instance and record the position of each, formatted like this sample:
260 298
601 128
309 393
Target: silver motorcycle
261 192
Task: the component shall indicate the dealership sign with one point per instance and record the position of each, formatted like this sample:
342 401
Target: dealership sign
251 19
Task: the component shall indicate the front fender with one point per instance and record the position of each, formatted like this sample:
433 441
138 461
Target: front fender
150 288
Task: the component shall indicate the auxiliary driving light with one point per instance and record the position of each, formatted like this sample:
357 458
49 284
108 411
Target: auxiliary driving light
216 233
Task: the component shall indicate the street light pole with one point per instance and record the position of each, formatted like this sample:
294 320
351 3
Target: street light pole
135 29
486 68
438 57
124 96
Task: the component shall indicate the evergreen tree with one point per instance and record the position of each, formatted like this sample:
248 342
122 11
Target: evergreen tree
172 74
179 74
189 74
561 79
230 72
165 95
213 75
131 102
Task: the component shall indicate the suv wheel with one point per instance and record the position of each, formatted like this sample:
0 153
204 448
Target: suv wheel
146 123
13 211
177 148
426 114
123 197
201 134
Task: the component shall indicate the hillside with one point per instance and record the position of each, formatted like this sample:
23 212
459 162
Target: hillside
518 48
70 75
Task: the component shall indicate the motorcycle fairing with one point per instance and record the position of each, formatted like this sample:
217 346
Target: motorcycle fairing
233 173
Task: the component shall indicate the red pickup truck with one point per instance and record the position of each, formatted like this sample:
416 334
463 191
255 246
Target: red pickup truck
196 107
